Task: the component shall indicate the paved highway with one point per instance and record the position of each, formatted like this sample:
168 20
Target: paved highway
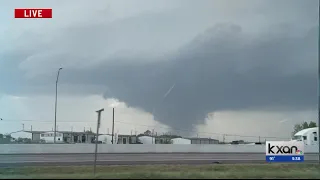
135 159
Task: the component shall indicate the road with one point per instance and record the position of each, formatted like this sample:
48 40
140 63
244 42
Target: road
136 159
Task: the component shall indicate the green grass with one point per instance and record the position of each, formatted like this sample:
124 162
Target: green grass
168 171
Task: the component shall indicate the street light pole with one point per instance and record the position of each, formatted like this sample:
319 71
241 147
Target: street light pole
55 108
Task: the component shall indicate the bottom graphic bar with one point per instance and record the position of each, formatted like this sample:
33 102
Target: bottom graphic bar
285 158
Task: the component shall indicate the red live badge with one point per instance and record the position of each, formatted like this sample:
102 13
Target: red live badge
33 13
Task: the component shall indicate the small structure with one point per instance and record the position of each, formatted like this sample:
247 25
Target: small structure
162 139
146 140
48 137
238 142
127 139
105 139
203 141
167 139
180 141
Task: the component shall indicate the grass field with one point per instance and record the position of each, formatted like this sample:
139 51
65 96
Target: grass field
168 171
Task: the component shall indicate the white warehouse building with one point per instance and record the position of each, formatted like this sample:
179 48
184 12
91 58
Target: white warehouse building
62 136
180 141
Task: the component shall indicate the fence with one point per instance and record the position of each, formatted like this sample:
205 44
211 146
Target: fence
135 148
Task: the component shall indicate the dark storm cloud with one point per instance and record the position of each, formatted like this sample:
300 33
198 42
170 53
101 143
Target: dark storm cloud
227 67
221 69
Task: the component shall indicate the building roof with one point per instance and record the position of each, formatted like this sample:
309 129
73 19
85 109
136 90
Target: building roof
64 132
124 135
304 131
195 138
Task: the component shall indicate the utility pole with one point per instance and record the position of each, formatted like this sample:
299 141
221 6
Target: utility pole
97 135
31 134
55 107
153 136
116 137
319 80
112 125
72 137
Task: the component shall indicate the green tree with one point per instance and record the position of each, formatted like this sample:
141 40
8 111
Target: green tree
6 139
147 133
312 124
23 140
8 136
20 140
304 125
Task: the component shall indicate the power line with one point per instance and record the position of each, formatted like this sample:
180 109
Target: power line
33 120
168 128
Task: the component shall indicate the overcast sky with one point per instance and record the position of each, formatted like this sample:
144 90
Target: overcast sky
245 67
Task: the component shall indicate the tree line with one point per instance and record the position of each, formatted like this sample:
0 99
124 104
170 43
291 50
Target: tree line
8 139
304 125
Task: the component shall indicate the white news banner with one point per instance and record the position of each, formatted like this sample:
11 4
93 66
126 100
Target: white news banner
284 151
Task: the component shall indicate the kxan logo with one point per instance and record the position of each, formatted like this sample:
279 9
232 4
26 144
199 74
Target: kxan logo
284 151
